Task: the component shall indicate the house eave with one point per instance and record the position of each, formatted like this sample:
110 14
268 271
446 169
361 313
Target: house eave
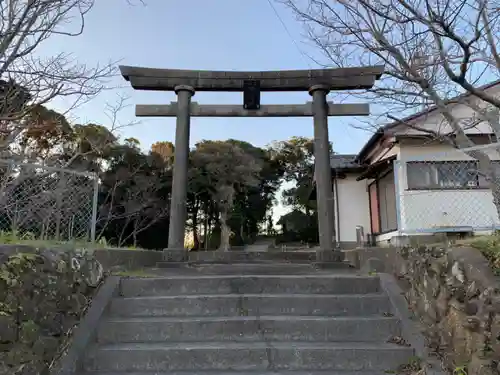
376 168
383 130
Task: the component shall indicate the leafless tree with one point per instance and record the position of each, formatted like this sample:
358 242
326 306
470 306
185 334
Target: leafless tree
28 78
139 208
432 50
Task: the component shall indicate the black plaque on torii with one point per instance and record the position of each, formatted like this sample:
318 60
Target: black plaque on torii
251 94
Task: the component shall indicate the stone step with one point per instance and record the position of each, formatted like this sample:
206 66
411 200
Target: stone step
247 356
235 256
328 283
244 268
252 305
313 263
245 329
219 372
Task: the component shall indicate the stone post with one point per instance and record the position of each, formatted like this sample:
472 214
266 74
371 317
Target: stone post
180 174
323 176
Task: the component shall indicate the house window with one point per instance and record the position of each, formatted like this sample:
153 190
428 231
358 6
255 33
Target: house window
442 175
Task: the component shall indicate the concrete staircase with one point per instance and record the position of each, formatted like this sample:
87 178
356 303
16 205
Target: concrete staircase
300 322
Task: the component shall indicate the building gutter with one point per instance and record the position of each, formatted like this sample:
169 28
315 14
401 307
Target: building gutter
337 210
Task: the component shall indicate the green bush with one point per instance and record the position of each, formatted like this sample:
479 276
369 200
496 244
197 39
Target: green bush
490 247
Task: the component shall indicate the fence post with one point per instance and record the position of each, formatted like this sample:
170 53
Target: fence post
397 190
60 186
93 222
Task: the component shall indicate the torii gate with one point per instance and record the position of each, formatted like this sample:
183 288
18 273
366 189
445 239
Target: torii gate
318 83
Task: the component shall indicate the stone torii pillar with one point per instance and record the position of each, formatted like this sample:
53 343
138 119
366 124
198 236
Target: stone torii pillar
322 170
318 82
177 226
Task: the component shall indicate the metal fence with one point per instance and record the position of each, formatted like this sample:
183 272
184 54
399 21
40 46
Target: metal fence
47 203
446 192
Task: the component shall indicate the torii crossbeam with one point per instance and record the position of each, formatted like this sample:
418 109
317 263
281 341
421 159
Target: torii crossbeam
273 110
318 83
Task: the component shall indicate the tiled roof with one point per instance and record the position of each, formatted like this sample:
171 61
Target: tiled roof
343 161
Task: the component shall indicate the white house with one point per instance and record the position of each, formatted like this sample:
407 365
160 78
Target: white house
405 182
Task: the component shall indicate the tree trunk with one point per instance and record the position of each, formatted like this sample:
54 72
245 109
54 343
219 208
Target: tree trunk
205 230
121 240
225 231
212 224
225 202
487 170
196 241
242 231
495 190
134 234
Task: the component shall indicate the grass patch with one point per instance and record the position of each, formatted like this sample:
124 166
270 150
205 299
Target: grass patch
490 248
29 239
488 245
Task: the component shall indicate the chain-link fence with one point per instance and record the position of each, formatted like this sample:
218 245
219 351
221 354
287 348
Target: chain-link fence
445 192
47 203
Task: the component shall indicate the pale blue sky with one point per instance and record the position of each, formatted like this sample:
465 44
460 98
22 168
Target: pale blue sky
195 34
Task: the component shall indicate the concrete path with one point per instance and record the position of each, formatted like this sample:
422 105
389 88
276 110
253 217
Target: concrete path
259 245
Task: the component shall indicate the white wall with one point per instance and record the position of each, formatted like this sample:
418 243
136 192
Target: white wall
353 207
428 209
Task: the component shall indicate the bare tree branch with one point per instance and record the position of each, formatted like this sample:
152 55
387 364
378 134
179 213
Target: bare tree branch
28 79
433 51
